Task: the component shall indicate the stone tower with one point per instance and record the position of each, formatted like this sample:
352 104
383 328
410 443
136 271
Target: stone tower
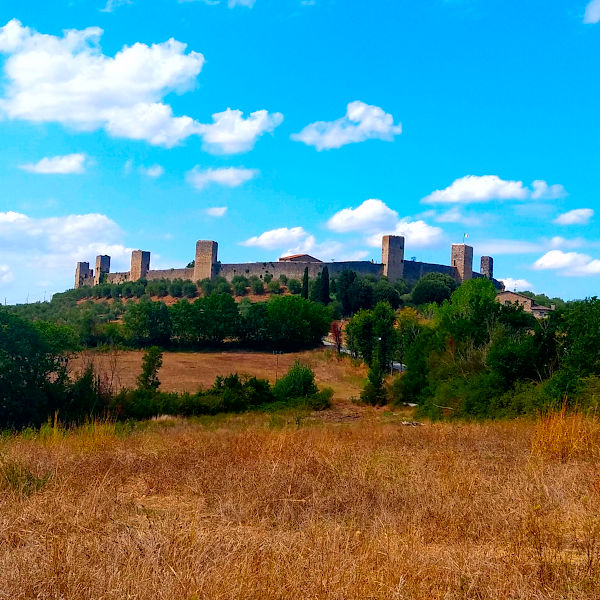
462 259
206 260
392 256
83 274
102 267
487 267
140 265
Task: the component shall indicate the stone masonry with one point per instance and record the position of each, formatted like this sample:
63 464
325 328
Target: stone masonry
207 266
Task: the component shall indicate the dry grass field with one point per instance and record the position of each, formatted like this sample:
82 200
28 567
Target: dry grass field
290 507
187 371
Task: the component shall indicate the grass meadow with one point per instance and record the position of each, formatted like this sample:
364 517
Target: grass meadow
349 504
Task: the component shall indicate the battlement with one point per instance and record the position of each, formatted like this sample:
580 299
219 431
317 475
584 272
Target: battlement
207 266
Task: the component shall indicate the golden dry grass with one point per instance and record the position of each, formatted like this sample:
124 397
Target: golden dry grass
187 371
259 507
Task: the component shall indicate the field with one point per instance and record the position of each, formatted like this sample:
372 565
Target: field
295 506
187 371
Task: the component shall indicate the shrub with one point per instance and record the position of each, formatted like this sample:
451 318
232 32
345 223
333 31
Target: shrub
189 289
294 286
257 286
274 287
268 277
151 363
298 382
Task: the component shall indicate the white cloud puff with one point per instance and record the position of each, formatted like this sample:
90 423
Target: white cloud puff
362 122
216 211
375 219
57 165
230 133
69 80
40 253
518 285
592 12
568 263
6 274
476 189
278 238
578 216
230 177
153 171
371 214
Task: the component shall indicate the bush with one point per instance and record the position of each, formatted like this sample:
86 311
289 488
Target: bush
189 289
268 277
257 286
151 363
274 287
298 382
294 286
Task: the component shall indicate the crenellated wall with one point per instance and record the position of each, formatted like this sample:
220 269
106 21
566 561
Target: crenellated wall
207 265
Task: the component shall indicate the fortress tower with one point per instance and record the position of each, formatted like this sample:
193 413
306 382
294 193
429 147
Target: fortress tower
487 267
140 265
206 260
392 256
102 267
462 259
83 274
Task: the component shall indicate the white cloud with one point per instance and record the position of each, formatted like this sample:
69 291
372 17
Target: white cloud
592 12
62 165
278 238
216 211
69 80
234 3
375 219
455 215
112 4
371 214
230 177
568 263
6 274
475 189
230 133
417 234
362 122
41 253
578 216
153 171
518 285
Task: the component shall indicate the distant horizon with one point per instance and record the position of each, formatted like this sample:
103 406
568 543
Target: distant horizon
285 126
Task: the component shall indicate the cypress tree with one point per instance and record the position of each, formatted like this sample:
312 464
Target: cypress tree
325 299
305 284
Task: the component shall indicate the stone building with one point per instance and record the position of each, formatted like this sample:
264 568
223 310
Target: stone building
529 306
207 266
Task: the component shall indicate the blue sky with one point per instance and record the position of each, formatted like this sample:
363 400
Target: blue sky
276 126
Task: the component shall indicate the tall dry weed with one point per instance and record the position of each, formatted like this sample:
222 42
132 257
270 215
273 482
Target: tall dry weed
565 435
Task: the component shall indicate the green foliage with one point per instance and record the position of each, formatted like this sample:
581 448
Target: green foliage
305 284
16 477
257 286
274 287
374 392
294 323
189 289
299 382
239 284
294 286
433 287
268 277
147 323
371 335
151 364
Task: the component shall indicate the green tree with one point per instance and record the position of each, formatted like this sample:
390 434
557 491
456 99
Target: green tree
433 287
343 283
151 364
147 323
305 289
325 291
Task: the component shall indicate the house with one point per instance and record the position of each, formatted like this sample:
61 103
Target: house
529 305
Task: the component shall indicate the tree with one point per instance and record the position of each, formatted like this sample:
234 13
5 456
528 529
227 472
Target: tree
433 287
325 293
371 335
343 283
147 323
304 293
151 363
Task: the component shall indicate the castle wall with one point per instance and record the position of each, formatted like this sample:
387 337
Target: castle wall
294 270
140 265
170 274
117 277
413 271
